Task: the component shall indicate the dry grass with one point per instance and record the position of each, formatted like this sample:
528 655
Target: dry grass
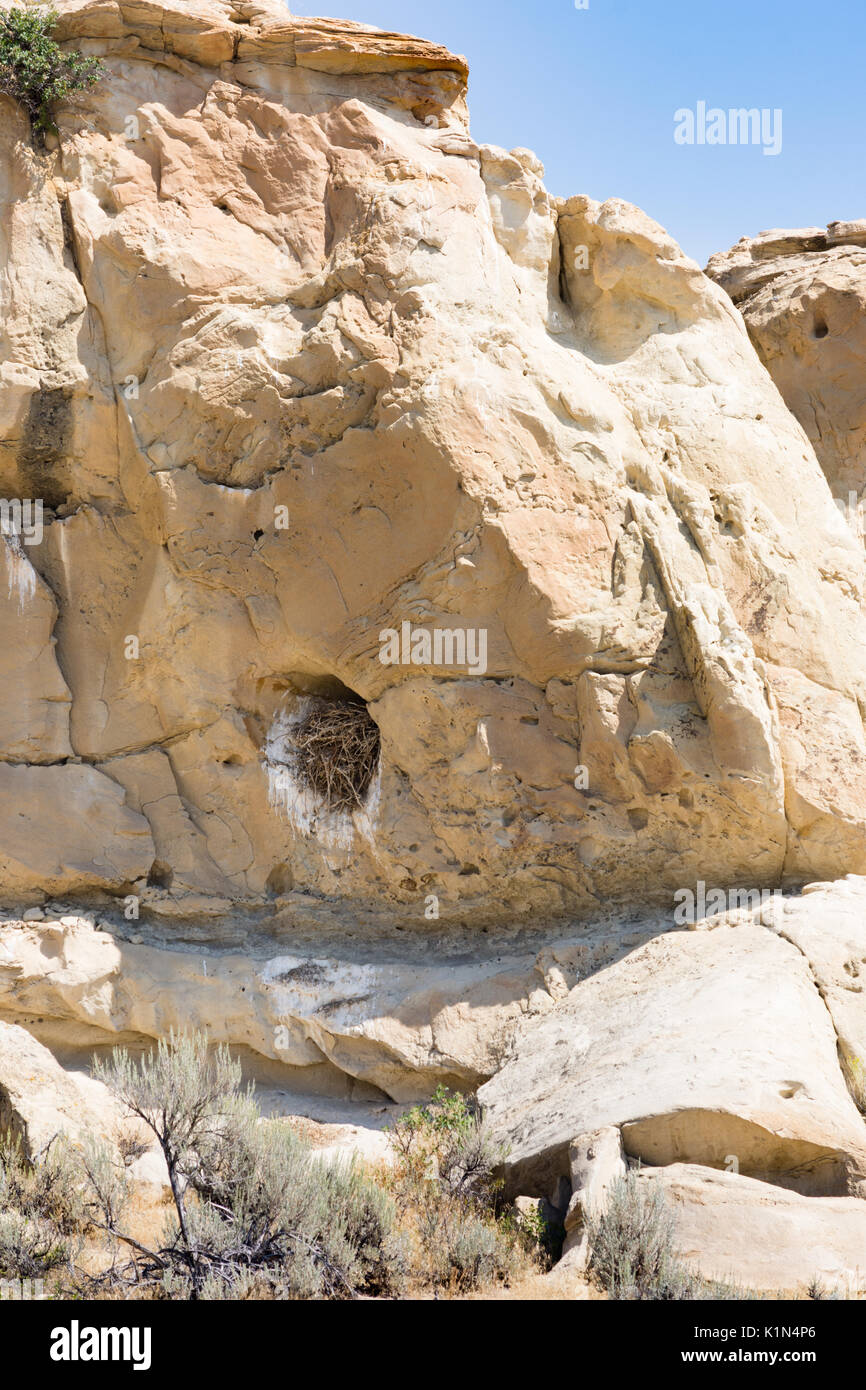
558 1285
336 752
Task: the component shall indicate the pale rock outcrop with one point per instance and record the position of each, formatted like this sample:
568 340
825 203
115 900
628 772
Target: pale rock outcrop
292 361
399 1025
753 1234
627 1021
338 1143
719 1052
40 1100
64 822
34 718
828 924
803 296
685 1047
597 1162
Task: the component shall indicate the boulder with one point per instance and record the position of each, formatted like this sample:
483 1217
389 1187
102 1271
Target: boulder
754 1234
710 1047
803 297
597 1161
827 923
39 1100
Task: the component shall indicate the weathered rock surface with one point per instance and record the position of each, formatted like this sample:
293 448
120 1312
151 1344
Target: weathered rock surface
291 361
717 1058
828 924
722 1022
399 1025
291 364
686 1047
751 1233
597 1162
803 296
726 1046
40 1100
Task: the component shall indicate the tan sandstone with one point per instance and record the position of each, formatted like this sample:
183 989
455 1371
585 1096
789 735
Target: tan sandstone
291 361
753 1234
266 275
803 296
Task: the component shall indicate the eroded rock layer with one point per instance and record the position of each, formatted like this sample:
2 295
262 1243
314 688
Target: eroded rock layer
803 296
291 362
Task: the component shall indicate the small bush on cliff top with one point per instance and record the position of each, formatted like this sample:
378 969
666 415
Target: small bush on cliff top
35 71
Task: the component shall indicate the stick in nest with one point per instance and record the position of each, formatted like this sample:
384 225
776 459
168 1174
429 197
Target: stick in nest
336 753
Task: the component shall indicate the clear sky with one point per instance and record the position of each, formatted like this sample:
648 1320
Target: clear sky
593 92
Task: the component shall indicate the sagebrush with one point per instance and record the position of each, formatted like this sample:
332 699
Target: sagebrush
254 1213
42 1210
446 1188
633 1254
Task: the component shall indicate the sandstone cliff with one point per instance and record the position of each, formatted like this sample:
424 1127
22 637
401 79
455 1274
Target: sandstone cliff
803 296
299 372
291 362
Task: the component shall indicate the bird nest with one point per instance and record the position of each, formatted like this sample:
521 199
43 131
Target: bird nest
335 750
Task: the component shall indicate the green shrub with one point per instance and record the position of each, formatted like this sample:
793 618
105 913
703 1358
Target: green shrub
538 1231
447 1140
35 71
448 1199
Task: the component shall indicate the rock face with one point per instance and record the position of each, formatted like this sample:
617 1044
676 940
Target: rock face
292 364
716 1056
39 1099
679 1058
680 1045
597 1162
399 1023
749 1233
803 296
310 406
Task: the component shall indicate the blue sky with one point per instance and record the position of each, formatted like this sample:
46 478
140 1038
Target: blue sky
593 92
